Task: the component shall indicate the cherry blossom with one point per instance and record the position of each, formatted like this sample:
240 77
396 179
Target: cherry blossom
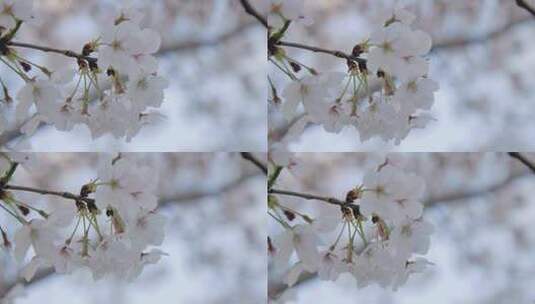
114 88
71 235
385 93
378 232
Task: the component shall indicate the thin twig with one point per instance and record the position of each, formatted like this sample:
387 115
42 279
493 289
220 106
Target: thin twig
250 157
316 49
521 158
249 9
66 195
330 200
67 53
523 4
164 202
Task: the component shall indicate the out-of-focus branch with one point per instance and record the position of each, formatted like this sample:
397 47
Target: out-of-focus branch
250 157
469 194
467 41
165 202
523 4
521 158
197 44
196 195
249 9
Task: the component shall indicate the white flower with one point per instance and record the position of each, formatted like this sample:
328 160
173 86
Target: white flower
389 48
279 155
374 265
293 275
416 94
118 46
67 258
398 51
304 240
331 266
397 14
416 266
336 117
380 118
410 237
147 229
64 116
148 42
278 11
125 187
36 233
314 92
43 93
111 115
392 194
129 13
112 256
146 90
145 259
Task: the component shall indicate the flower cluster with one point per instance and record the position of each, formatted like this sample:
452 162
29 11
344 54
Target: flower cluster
378 233
385 93
113 89
112 233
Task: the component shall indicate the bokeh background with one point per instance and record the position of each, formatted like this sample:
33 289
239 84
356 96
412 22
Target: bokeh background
213 55
215 237
483 58
481 205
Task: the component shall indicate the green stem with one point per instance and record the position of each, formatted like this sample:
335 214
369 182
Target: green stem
13 32
274 176
9 174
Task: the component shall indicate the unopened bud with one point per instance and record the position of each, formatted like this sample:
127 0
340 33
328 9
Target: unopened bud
295 67
289 215
25 66
25 211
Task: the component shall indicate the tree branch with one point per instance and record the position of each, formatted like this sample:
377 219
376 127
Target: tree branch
330 200
277 288
164 202
469 194
316 49
521 158
12 134
201 43
66 195
249 9
523 4
45 49
466 41
250 157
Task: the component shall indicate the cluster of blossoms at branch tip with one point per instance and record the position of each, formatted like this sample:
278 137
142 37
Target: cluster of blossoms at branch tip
377 234
385 93
114 88
112 228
